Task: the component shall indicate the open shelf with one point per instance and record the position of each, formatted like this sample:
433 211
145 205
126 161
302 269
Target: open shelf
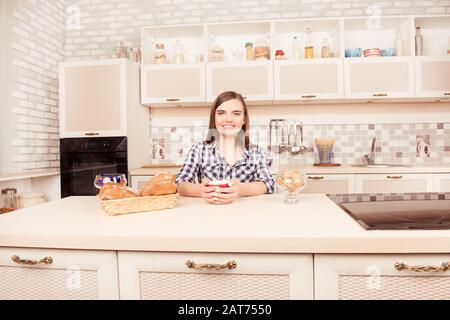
436 34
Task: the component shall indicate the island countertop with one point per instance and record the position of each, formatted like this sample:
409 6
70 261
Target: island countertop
262 224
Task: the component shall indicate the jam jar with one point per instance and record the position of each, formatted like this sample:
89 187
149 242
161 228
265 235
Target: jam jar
160 54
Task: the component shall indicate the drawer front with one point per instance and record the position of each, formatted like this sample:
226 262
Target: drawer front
69 274
392 183
375 277
256 276
329 184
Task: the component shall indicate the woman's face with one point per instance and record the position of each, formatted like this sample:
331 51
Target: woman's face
230 117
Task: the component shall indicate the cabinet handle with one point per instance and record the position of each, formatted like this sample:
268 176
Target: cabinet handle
91 133
400 266
447 94
207 266
394 177
173 100
379 95
309 96
46 260
315 177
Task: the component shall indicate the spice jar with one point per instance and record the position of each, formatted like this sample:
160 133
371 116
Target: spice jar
325 51
279 55
262 50
160 54
9 200
217 54
249 51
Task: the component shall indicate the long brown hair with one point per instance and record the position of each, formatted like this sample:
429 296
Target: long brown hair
221 98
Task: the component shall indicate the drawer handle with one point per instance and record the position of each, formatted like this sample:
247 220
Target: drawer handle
92 134
46 260
400 266
447 94
315 178
379 95
207 266
309 96
172 100
394 177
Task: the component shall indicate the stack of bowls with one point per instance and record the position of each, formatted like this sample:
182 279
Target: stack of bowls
389 52
372 52
353 52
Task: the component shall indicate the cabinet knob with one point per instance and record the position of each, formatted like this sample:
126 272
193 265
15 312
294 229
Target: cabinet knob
309 96
208 266
92 134
447 94
315 177
46 260
400 266
173 100
379 95
394 177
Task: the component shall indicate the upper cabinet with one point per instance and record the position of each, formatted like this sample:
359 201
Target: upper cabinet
93 98
302 73
239 59
297 60
378 58
173 69
433 66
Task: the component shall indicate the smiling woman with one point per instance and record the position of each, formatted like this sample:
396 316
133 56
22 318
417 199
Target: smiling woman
225 155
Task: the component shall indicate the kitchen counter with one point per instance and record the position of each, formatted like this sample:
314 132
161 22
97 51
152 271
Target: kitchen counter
254 224
310 169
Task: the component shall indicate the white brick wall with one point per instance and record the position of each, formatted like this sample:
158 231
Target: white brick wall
104 22
37 42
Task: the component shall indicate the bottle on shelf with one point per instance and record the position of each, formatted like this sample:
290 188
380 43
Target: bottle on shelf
398 42
138 58
295 48
178 52
121 51
249 51
309 49
325 51
262 50
419 42
159 56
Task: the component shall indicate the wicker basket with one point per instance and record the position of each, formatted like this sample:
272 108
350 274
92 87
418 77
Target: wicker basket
138 204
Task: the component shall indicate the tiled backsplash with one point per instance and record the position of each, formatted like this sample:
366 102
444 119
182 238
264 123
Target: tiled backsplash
396 143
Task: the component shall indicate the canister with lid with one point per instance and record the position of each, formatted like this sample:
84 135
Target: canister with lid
160 53
9 200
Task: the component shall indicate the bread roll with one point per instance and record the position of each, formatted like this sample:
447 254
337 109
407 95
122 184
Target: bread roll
163 183
112 191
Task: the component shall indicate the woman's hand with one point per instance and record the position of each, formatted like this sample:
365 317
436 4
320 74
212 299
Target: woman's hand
207 192
227 195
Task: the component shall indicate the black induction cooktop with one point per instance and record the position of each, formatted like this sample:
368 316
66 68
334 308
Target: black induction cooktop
397 211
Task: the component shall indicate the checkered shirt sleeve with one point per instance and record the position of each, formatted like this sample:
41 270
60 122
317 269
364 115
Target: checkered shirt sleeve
262 171
191 166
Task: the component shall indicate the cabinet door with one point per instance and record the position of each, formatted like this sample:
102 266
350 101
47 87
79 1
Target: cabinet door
255 276
173 84
374 276
93 98
379 77
69 274
309 79
442 182
252 79
329 183
433 76
393 183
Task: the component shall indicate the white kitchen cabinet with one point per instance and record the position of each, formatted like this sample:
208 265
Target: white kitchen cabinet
237 276
58 274
173 84
375 276
379 77
433 76
442 182
393 183
308 79
252 79
329 183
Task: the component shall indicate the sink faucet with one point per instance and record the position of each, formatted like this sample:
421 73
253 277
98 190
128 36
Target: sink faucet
370 158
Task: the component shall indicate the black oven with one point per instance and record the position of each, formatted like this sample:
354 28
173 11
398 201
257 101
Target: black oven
82 159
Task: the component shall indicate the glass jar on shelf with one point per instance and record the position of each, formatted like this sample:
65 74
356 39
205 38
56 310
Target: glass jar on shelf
217 54
160 54
249 51
309 49
295 48
178 52
262 50
325 51
279 55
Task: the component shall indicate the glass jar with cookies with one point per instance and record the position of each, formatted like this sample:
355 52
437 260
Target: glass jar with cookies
291 182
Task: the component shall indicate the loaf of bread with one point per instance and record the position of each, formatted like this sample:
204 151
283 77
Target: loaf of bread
111 191
163 183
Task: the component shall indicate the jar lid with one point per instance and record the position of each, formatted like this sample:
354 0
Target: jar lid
32 195
279 52
249 44
9 191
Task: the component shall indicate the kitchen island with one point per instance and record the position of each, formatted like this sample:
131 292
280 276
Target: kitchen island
255 248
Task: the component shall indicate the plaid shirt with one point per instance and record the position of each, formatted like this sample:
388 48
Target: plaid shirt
205 161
